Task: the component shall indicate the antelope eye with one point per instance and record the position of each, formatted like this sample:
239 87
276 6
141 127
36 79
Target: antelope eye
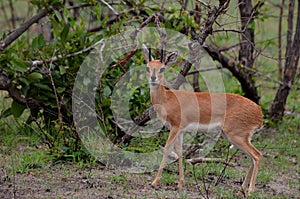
148 69
161 70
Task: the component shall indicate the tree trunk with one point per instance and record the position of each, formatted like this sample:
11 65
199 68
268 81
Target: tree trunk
247 36
291 64
279 41
246 50
242 69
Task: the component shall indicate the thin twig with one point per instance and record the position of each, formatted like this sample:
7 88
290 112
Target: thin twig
262 76
146 22
228 30
204 4
56 95
36 63
209 160
109 6
204 70
229 48
196 181
227 164
125 59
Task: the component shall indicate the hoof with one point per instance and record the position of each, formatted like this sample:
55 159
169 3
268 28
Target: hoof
179 186
154 185
241 194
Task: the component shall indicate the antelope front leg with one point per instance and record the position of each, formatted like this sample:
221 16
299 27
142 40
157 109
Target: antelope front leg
172 137
178 147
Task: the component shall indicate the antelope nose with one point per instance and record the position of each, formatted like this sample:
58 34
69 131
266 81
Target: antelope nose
153 78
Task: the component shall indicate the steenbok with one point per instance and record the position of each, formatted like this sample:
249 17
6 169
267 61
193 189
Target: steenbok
235 116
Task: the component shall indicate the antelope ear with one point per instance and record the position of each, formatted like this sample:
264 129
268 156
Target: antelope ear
171 58
146 53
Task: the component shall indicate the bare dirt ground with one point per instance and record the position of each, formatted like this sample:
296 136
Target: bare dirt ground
72 181
75 180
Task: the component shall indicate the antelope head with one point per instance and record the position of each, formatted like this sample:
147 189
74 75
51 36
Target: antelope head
155 68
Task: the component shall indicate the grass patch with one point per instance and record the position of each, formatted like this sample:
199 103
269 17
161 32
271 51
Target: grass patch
31 160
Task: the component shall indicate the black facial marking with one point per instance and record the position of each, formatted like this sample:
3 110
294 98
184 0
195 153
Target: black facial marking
153 77
148 69
161 70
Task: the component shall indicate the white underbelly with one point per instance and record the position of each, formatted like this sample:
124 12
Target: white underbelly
203 127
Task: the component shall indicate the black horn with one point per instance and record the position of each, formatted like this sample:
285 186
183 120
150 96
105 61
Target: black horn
161 55
150 58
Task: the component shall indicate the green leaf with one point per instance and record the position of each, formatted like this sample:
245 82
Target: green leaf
43 86
251 26
106 91
17 109
62 70
56 27
41 40
35 76
24 80
6 113
19 65
60 89
64 33
34 43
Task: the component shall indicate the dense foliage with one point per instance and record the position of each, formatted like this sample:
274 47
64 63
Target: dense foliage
38 68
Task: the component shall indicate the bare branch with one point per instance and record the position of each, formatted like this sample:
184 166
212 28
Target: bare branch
228 30
36 63
58 102
6 84
19 31
211 18
125 59
236 69
204 70
204 4
229 48
146 22
209 160
109 6
279 41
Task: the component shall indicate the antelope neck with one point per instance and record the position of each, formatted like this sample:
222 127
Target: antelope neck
157 93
